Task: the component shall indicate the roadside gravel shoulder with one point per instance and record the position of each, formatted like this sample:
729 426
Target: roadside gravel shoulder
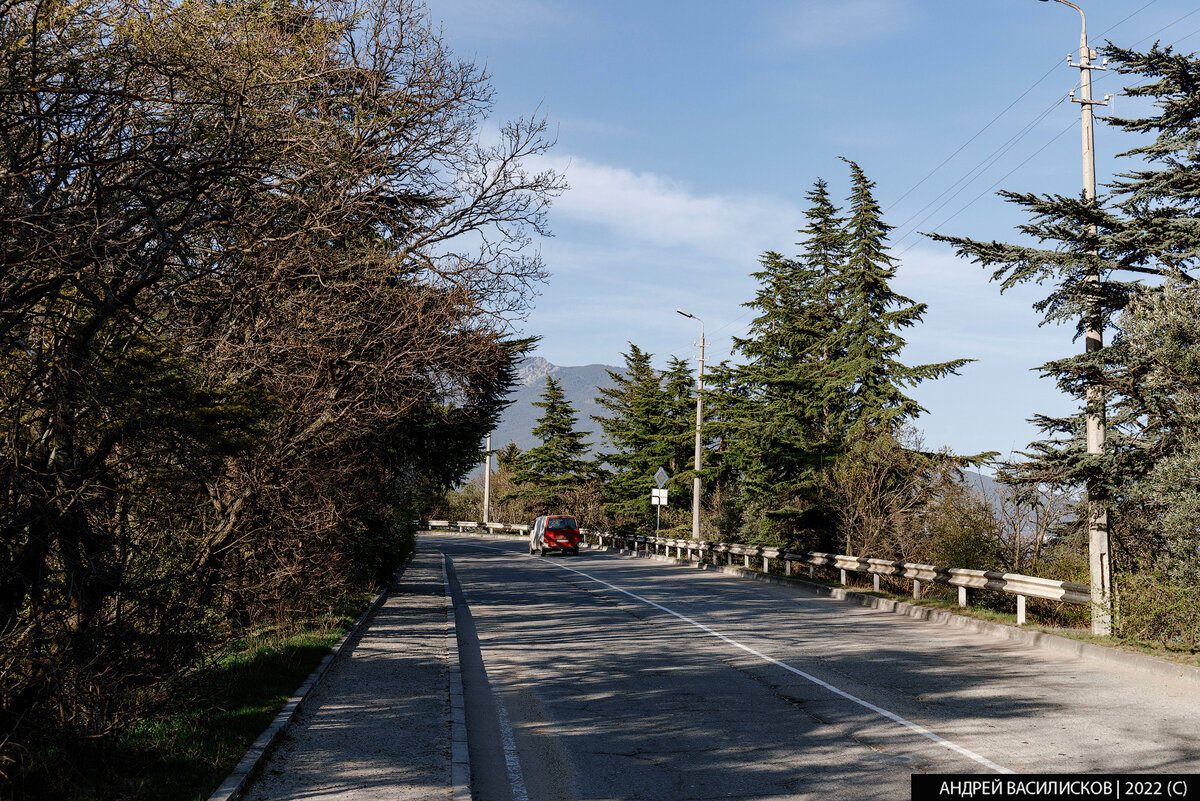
377 726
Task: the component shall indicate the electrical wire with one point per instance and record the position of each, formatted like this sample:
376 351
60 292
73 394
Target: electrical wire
973 138
1001 180
991 158
975 173
988 161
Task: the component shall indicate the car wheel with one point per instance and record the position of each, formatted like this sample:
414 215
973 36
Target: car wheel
575 551
541 551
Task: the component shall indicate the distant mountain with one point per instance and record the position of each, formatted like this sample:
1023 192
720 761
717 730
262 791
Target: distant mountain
581 385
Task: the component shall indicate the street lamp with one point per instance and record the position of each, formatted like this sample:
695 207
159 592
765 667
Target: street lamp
699 422
1098 551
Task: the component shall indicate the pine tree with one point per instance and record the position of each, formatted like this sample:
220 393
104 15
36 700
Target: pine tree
677 425
783 429
875 315
548 473
823 367
1145 224
634 445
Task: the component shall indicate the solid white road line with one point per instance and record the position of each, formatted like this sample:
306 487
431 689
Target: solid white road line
516 779
892 716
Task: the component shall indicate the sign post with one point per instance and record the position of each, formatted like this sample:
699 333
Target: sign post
658 499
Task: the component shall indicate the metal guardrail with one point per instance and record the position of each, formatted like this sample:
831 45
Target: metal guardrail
1012 583
467 525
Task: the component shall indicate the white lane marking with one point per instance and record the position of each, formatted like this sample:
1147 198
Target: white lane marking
516 779
512 763
892 716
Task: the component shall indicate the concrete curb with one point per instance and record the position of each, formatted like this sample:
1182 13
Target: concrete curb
460 759
1038 639
235 783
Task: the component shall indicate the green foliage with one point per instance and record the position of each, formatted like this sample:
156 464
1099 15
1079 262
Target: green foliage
183 752
550 472
822 369
1095 257
228 381
1155 606
961 526
636 443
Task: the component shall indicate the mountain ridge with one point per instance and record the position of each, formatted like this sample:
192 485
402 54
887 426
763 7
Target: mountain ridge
581 384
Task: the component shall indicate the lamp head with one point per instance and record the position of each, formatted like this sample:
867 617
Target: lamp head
685 314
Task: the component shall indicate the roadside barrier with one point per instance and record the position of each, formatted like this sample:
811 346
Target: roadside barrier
756 557
466 525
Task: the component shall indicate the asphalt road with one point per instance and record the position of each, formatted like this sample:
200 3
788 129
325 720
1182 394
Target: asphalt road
601 676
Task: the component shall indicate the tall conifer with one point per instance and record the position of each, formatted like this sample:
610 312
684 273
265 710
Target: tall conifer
874 316
634 445
1147 224
550 471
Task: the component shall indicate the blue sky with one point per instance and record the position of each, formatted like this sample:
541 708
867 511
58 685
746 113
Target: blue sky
690 132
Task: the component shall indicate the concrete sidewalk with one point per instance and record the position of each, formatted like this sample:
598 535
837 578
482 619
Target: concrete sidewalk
378 724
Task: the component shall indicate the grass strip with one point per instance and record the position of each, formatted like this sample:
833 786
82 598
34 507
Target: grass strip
186 754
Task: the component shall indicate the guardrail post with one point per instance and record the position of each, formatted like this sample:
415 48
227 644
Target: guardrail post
746 561
843 575
729 557
962 596
917 589
787 567
876 581
812 571
1020 610
766 565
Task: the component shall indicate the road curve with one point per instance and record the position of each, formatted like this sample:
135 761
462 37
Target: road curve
609 677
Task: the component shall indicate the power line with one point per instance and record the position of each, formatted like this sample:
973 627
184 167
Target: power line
1004 178
974 174
1131 16
989 160
993 156
973 138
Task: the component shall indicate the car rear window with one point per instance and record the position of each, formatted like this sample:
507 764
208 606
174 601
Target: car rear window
556 523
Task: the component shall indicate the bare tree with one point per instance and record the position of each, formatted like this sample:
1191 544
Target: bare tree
260 262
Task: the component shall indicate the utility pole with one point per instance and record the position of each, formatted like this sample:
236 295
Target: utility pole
1098 540
699 424
487 479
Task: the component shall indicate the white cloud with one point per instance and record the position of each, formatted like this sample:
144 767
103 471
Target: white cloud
833 23
664 213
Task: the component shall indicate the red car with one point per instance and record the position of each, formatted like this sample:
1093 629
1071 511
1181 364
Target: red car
554 532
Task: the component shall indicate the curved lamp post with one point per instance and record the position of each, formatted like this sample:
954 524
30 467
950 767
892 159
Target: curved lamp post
699 419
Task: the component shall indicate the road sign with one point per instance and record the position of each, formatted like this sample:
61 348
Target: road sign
658 497
661 477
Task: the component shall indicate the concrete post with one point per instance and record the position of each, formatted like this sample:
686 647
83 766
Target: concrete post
876 581
787 567
962 596
747 561
487 480
843 575
766 565
917 589
1020 610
